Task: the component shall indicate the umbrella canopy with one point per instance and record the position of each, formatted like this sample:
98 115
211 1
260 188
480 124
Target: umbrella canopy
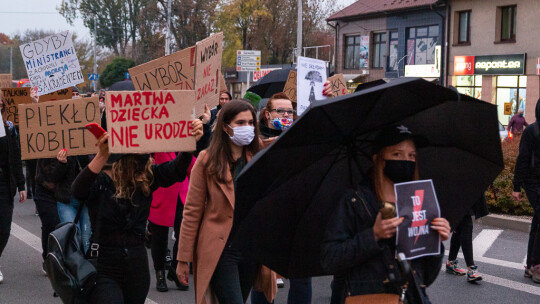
287 192
125 85
271 83
371 84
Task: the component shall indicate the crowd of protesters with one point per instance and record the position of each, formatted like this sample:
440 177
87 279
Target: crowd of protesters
130 200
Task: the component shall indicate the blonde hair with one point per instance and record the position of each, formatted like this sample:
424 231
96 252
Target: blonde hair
128 177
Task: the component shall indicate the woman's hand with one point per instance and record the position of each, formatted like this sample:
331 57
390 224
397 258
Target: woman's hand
22 196
197 128
385 229
327 91
206 115
103 145
182 272
62 156
442 226
33 95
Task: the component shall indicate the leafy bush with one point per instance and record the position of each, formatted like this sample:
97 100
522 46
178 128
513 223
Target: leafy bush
115 71
499 194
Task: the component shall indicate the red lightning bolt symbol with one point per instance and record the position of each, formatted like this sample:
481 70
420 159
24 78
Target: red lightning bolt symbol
416 208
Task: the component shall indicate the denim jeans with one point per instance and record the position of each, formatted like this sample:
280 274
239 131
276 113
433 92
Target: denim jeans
233 277
68 212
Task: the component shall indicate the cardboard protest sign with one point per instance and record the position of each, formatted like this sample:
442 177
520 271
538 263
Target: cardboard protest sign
339 86
290 86
57 95
5 81
172 72
13 98
150 121
417 203
46 128
310 79
51 63
222 83
207 72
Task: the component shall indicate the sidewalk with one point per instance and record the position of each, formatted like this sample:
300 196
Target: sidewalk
517 223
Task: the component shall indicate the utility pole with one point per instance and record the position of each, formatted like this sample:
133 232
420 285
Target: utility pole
11 61
95 55
168 38
299 31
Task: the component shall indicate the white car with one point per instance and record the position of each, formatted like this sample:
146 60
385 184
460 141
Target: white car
502 131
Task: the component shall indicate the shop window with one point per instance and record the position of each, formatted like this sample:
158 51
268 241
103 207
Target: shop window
393 51
464 27
421 42
379 49
470 85
352 52
511 95
506 23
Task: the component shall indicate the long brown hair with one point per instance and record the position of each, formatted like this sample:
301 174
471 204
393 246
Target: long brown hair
219 151
3 111
378 173
128 176
263 121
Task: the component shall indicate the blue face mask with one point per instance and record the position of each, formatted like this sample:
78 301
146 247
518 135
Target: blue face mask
282 123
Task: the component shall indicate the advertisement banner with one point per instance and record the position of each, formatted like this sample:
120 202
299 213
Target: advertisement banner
463 65
51 63
500 64
364 51
417 203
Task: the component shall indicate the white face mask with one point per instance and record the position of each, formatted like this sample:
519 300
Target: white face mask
242 136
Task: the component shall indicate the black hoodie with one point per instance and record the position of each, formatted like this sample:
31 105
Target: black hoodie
527 171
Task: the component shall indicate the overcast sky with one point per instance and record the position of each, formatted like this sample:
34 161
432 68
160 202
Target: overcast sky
43 14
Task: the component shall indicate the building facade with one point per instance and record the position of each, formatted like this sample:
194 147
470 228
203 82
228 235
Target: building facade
494 50
387 39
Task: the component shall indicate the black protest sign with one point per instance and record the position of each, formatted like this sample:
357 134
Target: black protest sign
417 203
46 128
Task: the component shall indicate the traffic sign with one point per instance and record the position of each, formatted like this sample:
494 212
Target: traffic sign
93 76
248 60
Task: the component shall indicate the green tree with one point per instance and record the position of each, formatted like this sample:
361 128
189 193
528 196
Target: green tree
115 71
117 21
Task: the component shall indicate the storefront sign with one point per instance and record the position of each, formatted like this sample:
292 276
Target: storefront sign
538 66
426 70
500 65
231 75
463 65
261 73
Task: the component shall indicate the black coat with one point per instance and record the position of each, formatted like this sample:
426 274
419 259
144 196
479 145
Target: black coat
527 170
54 178
350 251
16 176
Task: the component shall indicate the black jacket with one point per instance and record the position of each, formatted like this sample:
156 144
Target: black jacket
527 171
122 222
350 251
267 132
54 178
16 177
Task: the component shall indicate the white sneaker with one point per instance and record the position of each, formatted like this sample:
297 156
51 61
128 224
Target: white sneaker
280 283
1 277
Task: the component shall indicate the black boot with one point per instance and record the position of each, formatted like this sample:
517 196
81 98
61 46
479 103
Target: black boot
171 275
161 284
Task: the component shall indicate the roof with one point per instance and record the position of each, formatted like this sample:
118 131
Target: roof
370 7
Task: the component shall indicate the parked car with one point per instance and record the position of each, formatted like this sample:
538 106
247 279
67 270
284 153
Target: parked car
502 131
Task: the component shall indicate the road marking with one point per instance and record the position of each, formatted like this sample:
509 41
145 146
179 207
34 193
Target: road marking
26 237
491 261
484 240
35 242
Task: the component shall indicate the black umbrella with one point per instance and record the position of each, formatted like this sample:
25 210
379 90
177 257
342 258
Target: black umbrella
271 83
125 85
287 193
371 84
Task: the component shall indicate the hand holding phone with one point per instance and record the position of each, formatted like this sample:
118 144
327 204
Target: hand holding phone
95 129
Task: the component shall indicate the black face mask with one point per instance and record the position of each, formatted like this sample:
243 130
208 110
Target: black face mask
399 171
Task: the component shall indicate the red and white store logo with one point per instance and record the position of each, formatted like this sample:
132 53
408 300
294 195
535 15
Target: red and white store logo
463 65
538 66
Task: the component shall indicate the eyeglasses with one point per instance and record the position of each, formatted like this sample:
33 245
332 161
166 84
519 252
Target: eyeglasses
281 111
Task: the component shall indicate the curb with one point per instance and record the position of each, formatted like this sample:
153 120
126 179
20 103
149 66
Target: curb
506 222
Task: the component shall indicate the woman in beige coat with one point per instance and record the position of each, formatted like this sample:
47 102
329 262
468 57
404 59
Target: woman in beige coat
221 273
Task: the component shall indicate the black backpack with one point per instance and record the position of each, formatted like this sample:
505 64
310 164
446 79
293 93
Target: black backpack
72 276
